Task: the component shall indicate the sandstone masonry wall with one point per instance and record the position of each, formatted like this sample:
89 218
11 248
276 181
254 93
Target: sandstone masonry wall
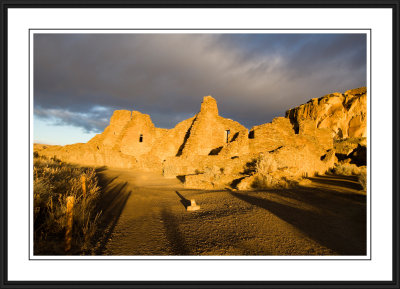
210 149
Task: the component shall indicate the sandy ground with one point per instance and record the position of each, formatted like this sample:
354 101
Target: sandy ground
145 215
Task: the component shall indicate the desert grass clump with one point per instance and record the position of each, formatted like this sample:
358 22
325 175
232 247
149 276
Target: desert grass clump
54 182
266 173
362 179
265 164
347 169
345 146
265 182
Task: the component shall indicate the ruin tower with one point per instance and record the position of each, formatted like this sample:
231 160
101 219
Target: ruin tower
209 132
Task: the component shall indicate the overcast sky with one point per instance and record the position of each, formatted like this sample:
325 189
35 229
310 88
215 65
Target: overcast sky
80 79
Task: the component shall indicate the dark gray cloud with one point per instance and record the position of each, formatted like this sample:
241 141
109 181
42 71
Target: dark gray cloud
94 120
79 79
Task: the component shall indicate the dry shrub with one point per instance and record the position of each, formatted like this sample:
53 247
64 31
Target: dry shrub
265 173
268 182
345 146
347 169
265 164
53 182
362 179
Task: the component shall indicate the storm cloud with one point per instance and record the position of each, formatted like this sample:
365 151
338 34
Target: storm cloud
79 79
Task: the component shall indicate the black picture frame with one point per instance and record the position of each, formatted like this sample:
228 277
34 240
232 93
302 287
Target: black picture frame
5 5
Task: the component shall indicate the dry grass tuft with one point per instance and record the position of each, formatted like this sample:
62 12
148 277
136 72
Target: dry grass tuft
265 165
53 183
265 174
362 179
347 169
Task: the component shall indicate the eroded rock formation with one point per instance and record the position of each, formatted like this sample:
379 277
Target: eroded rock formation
211 152
344 114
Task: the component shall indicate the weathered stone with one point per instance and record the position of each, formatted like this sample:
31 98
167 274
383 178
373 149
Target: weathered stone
343 114
270 136
209 132
118 121
138 136
193 206
212 152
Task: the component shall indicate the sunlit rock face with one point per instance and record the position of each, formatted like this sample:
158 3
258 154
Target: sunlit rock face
139 135
269 136
118 122
344 114
209 131
214 152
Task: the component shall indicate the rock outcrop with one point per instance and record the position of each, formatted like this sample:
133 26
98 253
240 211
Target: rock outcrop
343 114
211 152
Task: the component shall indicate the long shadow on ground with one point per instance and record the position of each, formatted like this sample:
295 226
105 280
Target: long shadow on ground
349 182
185 202
337 223
111 203
174 236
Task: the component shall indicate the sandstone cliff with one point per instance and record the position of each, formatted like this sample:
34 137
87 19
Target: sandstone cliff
344 114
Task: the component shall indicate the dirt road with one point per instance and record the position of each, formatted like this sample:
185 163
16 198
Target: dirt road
145 215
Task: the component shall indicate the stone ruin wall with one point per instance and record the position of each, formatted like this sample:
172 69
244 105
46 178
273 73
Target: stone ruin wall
300 143
208 133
